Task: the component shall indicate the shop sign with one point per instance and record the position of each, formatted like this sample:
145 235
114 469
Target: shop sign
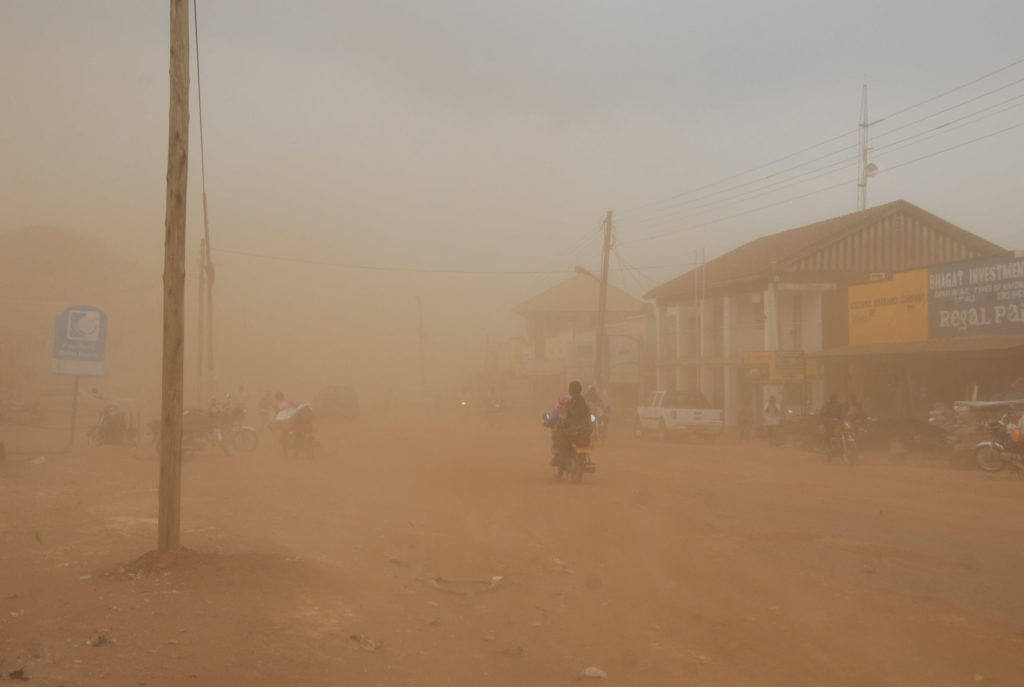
775 367
891 311
982 297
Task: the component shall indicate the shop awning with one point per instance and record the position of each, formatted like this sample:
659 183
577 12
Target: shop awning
977 344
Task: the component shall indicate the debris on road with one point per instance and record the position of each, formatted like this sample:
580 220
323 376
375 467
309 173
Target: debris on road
593 673
18 674
365 643
465 587
99 641
38 460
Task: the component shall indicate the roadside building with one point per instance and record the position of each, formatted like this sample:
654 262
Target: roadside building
561 325
754 322
933 336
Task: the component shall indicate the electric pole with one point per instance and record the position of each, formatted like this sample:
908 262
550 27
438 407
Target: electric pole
207 272
601 357
423 368
862 160
169 522
200 321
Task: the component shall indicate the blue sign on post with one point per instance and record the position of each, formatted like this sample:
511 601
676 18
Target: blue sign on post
983 297
79 342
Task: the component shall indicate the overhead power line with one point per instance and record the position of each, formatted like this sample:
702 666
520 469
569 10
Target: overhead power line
414 270
918 138
822 190
675 197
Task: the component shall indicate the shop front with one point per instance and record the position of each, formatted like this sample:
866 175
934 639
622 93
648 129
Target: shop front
932 336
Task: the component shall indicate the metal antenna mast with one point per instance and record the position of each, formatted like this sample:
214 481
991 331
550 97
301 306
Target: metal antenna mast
862 162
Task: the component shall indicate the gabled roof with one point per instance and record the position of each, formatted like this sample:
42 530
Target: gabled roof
758 258
577 294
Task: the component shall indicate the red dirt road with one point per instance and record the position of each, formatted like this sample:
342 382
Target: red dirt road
676 564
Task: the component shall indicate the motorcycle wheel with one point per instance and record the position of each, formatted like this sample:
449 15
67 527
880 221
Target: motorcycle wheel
576 468
849 452
245 440
988 458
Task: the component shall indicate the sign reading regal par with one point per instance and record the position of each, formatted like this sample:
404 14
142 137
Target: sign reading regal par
80 341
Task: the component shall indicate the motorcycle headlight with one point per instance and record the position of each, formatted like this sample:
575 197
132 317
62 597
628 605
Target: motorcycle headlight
593 418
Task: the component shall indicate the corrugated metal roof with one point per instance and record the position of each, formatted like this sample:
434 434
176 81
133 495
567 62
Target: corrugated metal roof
786 249
579 293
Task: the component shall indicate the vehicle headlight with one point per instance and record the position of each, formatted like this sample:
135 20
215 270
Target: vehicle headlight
593 418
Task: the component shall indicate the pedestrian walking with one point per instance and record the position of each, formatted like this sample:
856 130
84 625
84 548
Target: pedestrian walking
772 417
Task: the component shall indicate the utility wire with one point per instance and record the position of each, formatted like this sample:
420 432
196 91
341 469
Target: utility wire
958 145
827 188
732 177
811 175
952 90
685 206
415 270
199 93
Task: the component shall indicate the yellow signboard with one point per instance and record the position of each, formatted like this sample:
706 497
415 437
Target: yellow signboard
891 311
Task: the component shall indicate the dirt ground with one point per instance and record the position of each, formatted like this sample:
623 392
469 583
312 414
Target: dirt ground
378 563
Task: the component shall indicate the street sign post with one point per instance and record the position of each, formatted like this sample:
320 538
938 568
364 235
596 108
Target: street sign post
79 348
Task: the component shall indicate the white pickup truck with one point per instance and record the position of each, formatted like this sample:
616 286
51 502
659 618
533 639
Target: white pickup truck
677 412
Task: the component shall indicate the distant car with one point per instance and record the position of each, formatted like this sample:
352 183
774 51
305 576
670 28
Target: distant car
677 412
338 402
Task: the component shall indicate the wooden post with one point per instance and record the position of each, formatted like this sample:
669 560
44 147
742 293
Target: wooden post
169 523
601 334
74 411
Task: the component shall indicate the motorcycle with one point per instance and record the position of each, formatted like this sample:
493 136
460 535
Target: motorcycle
1004 447
492 412
200 429
298 436
574 461
242 437
599 418
111 430
842 441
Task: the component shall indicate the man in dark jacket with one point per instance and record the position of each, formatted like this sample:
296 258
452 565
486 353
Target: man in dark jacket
574 424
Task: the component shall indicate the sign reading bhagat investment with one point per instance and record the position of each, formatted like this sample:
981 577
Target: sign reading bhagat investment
982 297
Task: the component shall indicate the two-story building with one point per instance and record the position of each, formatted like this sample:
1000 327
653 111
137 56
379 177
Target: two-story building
739 327
561 325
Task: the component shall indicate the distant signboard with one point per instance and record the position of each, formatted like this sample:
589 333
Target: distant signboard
775 367
79 342
890 311
983 297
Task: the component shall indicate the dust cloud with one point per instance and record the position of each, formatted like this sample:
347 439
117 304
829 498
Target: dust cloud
386 183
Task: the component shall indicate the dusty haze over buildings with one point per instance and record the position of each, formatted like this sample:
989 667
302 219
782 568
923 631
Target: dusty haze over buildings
473 136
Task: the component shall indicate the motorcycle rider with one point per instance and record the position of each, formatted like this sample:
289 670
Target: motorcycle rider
571 422
832 413
281 403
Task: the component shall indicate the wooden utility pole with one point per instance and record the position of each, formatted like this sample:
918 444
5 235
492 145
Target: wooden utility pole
201 337
423 368
169 522
601 357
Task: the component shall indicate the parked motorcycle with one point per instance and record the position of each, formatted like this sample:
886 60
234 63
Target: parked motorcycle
243 438
200 430
1005 446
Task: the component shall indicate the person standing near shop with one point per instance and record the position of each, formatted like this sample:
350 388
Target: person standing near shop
772 417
